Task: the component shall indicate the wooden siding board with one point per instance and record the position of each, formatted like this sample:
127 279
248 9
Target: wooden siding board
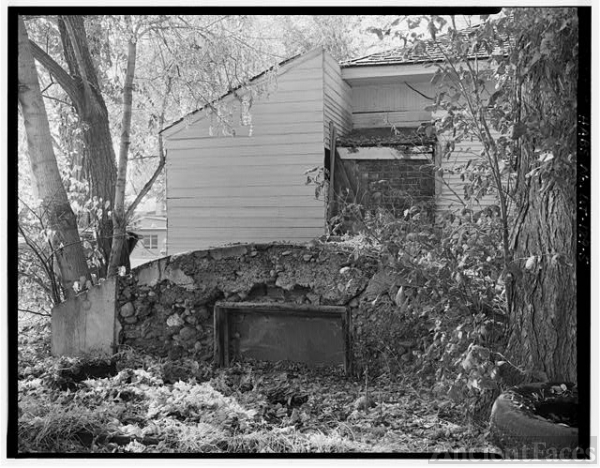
286 108
337 87
385 105
187 155
203 207
344 115
296 160
206 144
384 98
337 100
235 211
297 196
266 124
262 125
255 172
215 178
251 222
227 184
386 119
464 152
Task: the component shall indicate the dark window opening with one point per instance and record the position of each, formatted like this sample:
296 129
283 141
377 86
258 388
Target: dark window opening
151 241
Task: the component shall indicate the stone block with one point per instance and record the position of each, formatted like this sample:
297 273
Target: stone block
150 274
187 333
127 310
177 276
175 321
228 252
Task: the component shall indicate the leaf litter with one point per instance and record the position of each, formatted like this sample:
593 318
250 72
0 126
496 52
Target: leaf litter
154 405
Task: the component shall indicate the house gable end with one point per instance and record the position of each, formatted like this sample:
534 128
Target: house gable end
201 114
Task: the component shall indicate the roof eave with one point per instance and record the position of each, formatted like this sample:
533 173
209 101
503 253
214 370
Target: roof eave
365 73
362 73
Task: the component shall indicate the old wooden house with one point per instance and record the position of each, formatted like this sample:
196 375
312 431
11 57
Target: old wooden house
247 183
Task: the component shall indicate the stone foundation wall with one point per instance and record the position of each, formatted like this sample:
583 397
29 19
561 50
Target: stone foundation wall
166 307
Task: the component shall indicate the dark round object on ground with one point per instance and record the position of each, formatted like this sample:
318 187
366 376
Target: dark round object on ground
537 420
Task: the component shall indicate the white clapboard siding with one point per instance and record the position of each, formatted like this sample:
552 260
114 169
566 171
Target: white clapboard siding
400 119
247 222
270 203
464 152
266 119
196 162
337 100
220 143
191 154
387 105
249 196
257 211
398 97
250 187
234 176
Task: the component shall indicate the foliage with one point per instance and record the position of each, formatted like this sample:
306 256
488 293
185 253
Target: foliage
496 84
443 295
156 406
336 33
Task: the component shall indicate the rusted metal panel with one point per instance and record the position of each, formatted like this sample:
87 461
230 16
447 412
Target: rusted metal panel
315 335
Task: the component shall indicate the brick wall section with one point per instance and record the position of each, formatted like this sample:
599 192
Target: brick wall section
396 184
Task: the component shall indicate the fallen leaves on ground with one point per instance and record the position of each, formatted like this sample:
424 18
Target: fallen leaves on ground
158 406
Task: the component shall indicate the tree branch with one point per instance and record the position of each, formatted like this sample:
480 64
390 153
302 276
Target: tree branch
161 154
55 99
58 72
418 92
34 312
146 188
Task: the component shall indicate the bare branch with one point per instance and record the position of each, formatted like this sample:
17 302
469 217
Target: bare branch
34 312
418 92
161 154
56 99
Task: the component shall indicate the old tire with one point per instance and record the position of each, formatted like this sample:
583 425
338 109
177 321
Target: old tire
518 428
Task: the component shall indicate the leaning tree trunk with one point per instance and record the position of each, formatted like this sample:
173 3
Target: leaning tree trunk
55 207
99 155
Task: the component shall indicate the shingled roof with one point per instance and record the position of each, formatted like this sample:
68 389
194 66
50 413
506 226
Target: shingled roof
406 55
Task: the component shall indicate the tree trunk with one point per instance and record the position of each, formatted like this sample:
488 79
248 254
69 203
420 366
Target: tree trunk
99 155
119 219
56 210
543 336
100 166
